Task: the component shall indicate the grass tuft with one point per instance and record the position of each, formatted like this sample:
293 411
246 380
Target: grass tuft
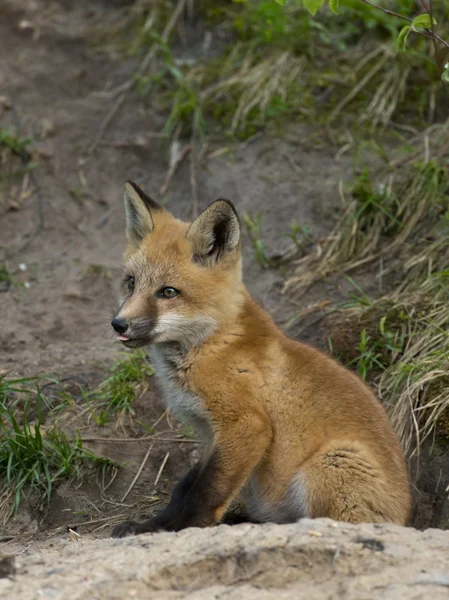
32 457
128 380
404 352
12 148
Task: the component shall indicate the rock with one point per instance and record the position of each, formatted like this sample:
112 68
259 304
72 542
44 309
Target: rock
351 562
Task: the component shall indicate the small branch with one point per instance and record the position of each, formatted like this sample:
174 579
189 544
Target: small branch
425 32
161 468
385 10
133 482
176 158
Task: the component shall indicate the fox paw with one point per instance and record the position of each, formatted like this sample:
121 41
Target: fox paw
124 529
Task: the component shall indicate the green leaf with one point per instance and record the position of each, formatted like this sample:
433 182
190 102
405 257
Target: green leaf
422 22
313 6
281 2
402 38
334 6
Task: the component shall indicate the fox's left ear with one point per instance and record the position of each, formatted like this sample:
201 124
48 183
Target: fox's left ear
216 232
139 213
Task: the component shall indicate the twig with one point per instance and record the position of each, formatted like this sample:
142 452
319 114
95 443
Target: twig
161 468
129 84
426 32
156 423
138 473
111 481
176 159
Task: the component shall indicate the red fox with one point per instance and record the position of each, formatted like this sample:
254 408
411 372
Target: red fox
287 430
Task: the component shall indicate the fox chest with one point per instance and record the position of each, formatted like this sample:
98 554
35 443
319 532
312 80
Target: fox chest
179 399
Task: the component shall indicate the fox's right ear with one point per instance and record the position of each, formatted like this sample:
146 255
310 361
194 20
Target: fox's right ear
138 209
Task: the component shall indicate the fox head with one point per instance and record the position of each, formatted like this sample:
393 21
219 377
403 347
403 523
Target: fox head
181 281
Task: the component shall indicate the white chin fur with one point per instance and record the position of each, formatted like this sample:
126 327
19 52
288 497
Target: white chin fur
185 330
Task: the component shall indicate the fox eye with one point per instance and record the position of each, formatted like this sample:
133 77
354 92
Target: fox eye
168 292
131 284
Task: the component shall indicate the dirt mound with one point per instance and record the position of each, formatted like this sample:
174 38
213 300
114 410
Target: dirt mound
312 558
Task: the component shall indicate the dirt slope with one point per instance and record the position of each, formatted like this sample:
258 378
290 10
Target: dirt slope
59 90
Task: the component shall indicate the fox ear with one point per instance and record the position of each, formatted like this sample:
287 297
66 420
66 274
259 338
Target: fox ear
138 209
216 232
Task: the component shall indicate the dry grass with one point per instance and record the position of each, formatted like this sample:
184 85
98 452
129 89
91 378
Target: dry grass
403 224
414 382
417 385
255 85
280 61
389 221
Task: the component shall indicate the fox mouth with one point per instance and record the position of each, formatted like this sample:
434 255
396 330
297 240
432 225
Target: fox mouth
133 342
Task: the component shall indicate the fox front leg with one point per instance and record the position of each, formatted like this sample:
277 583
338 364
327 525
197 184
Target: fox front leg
167 515
203 496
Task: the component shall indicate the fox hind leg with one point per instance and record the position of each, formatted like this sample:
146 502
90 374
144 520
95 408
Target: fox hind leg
343 484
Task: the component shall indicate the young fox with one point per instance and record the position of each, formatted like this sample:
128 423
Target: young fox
287 430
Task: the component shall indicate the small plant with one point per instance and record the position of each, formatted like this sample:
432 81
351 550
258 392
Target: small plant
11 146
13 391
5 275
188 431
359 299
33 458
375 354
15 144
127 381
369 356
300 235
253 228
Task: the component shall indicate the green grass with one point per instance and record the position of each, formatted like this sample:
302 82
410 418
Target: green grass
126 382
375 354
34 457
13 145
5 275
300 236
394 228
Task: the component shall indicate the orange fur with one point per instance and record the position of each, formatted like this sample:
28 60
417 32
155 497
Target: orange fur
293 432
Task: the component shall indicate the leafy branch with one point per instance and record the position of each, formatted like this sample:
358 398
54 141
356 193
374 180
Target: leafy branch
423 24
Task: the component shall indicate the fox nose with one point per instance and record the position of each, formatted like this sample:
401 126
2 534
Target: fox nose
120 325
